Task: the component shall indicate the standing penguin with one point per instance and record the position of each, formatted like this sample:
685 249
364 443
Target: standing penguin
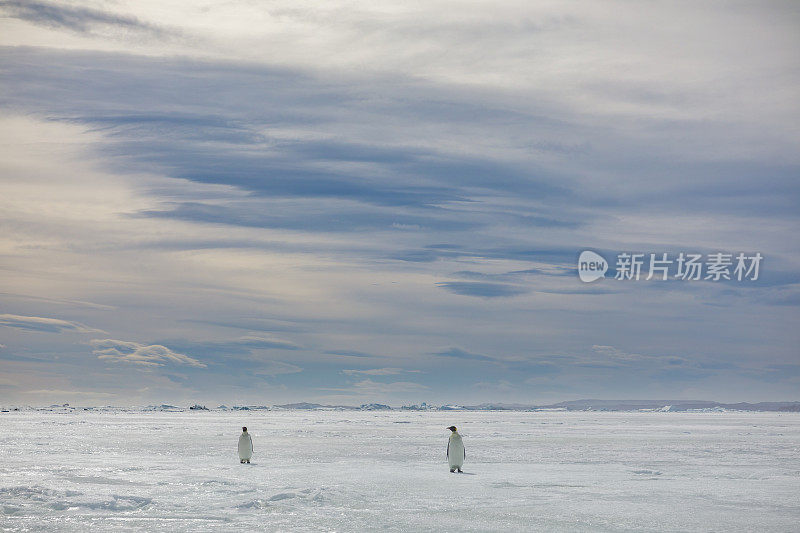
245 446
456 453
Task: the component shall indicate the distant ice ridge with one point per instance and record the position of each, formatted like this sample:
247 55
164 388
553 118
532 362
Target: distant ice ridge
574 405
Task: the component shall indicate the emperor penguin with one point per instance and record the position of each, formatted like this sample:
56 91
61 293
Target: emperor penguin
245 446
456 453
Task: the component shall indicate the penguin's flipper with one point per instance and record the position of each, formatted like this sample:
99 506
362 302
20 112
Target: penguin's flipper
448 449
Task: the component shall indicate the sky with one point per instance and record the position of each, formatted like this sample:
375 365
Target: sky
251 202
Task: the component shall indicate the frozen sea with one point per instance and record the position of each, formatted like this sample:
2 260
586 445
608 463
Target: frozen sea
386 471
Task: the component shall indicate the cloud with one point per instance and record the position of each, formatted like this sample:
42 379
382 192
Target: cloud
462 354
140 354
374 371
332 217
367 387
46 325
258 343
61 392
681 374
59 301
482 290
495 386
614 353
274 368
252 154
74 18
668 363
537 368
351 353
551 270
224 349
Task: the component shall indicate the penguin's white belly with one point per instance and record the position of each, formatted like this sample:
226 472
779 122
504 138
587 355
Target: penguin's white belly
245 447
455 453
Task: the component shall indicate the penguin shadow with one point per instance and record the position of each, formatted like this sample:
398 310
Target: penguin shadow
465 473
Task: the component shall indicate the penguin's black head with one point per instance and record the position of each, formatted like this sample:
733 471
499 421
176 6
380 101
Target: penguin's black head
452 428
244 429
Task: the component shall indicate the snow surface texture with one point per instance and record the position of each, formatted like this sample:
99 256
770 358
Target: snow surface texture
364 471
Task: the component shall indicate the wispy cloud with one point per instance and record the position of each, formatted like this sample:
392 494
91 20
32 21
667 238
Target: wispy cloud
61 392
350 353
368 387
274 368
374 371
616 354
140 354
459 353
44 324
482 290
255 342
222 350
74 18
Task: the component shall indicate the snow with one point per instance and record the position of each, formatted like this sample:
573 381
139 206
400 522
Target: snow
386 470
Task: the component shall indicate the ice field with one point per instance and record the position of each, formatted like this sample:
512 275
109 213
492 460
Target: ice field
363 471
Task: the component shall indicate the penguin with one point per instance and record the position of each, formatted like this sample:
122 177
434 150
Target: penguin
245 446
456 453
